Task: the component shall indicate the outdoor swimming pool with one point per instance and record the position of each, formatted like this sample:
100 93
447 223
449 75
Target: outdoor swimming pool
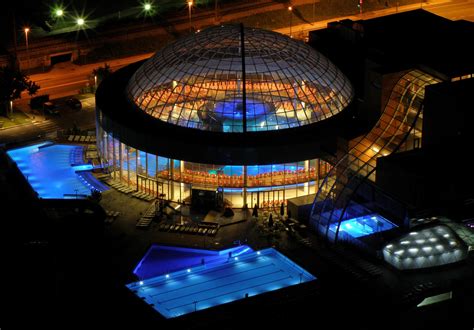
197 288
364 225
53 170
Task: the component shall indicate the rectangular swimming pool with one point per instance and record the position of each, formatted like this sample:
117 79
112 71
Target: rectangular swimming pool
202 287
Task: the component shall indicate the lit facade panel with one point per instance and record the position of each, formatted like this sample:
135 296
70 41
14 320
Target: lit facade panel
429 247
198 82
264 185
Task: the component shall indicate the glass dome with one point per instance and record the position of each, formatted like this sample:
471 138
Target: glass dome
235 79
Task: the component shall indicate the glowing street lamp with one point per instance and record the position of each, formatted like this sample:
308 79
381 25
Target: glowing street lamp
80 21
58 12
26 30
147 7
190 6
290 9
95 81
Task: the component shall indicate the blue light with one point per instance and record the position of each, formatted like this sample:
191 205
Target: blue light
162 259
364 225
48 169
220 283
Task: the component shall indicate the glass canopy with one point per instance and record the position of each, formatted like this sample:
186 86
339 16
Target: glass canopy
235 79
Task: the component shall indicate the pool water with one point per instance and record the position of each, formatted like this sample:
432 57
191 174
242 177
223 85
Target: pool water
201 287
233 109
162 259
364 225
51 169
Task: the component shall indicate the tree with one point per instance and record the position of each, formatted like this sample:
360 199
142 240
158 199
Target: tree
102 72
12 83
270 221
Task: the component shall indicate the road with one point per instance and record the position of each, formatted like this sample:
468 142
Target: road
454 10
67 79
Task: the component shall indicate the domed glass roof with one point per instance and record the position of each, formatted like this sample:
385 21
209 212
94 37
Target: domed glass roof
235 79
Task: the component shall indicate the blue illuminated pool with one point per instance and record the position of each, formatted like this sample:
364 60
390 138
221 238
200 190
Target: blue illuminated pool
163 259
53 170
364 225
201 287
233 108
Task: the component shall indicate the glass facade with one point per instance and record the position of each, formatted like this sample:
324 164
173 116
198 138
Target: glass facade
205 81
265 185
398 128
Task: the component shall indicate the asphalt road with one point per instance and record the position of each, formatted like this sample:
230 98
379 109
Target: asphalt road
67 78
451 9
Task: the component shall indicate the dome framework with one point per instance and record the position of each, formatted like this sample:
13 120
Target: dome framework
235 79
233 110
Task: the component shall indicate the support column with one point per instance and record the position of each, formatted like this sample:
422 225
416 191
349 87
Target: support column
171 182
127 150
245 186
306 171
244 80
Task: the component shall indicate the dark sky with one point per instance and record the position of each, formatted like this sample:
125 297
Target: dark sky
35 13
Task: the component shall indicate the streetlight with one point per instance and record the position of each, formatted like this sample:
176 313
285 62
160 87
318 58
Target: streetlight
26 30
58 12
80 21
290 9
95 81
147 7
190 6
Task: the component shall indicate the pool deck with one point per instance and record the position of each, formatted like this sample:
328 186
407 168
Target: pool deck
202 287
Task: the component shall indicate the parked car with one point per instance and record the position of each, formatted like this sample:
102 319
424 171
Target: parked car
37 102
50 108
74 103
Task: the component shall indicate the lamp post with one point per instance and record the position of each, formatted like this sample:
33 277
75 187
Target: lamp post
290 9
26 30
190 6
95 81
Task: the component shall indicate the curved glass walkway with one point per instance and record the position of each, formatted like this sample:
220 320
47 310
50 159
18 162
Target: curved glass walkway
397 123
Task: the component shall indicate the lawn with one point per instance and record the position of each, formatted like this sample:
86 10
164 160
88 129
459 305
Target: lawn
17 118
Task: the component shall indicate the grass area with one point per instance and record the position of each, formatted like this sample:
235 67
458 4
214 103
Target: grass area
17 118
322 10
